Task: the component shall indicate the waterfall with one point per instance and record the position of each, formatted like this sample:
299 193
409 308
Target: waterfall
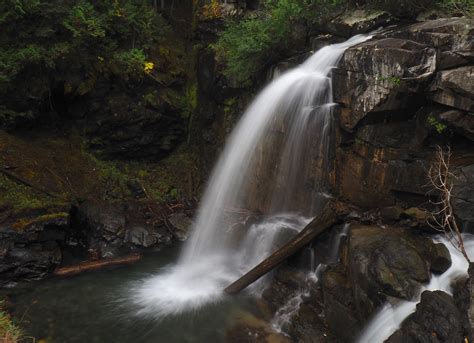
298 106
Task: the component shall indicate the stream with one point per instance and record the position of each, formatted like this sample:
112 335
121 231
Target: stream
94 307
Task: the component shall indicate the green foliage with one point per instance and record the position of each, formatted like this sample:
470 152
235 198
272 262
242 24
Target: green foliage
249 45
392 79
410 9
439 127
84 21
50 46
129 63
402 8
457 7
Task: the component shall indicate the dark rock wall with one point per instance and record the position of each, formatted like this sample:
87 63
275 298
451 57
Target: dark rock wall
401 93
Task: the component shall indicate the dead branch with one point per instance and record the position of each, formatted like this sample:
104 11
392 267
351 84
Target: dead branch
22 181
443 218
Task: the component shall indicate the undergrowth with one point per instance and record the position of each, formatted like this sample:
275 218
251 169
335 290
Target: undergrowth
9 331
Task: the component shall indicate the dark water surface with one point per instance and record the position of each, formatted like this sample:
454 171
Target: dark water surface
93 308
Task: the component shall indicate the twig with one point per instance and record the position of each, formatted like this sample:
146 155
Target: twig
62 181
440 179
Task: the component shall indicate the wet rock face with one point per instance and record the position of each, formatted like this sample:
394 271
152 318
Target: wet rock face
376 264
463 197
308 323
371 74
31 253
437 319
454 88
389 262
402 92
107 230
339 304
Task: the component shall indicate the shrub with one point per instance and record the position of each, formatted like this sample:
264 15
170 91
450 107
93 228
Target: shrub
457 7
248 46
410 9
53 46
9 332
402 8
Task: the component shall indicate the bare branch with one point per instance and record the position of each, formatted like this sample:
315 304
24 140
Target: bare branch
442 219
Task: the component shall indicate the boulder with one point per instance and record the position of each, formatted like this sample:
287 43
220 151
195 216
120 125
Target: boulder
463 197
307 326
437 319
181 224
470 288
98 220
32 251
383 263
462 289
358 21
445 34
454 88
380 75
109 229
391 213
460 121
389 262
439 257
147 236
401 92
339 306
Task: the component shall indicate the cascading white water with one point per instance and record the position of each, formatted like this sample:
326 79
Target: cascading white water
285 314
301 99
390 317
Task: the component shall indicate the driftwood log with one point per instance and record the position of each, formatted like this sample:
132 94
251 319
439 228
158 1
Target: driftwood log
329 216
96 264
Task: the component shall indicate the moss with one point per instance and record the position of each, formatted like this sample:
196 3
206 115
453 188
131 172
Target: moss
392 79
171 179
64 167
18 199
9 331
192 96
112 178
25 222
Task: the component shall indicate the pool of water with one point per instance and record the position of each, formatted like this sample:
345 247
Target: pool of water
96 307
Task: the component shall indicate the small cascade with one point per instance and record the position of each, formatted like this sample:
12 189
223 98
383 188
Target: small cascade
337 245
297 105
390 317
284 314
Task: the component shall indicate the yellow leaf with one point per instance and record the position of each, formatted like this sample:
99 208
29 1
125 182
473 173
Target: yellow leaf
148 67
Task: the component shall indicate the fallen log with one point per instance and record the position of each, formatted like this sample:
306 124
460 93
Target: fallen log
96 264
329 216
24 182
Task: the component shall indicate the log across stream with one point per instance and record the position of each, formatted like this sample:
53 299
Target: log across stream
329 216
